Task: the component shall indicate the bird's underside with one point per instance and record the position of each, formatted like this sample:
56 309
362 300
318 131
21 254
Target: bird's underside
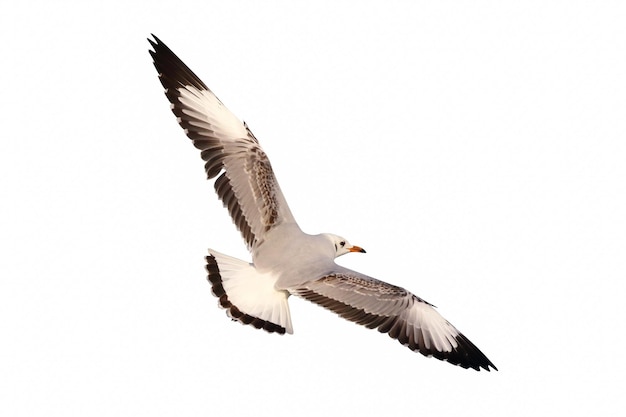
258 296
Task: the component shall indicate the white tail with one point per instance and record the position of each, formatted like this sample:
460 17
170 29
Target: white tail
247 295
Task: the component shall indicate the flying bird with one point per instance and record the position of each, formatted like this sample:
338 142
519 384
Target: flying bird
285 260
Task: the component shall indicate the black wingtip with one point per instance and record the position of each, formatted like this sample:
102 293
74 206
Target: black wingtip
173 72
467 355
154 42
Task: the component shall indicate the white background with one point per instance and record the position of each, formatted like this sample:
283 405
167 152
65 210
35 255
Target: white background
475 149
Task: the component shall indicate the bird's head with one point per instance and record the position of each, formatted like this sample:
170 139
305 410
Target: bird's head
342 246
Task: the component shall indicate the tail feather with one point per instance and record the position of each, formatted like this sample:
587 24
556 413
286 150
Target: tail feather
247 295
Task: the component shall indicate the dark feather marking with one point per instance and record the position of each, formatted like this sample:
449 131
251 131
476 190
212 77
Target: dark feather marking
166 62
226 194
264 176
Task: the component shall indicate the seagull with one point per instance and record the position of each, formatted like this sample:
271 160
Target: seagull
285 260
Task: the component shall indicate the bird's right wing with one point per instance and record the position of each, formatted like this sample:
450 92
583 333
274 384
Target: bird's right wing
247 185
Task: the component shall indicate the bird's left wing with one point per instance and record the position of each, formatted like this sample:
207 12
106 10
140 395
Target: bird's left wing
412 321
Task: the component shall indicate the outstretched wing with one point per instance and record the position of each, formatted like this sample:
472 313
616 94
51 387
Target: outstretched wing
393 310
247 185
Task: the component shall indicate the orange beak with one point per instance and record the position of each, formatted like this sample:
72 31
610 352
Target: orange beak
357 249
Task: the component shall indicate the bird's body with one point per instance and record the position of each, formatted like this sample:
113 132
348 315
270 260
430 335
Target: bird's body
285 260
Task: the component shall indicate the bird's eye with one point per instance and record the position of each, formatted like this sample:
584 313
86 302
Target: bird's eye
342 243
